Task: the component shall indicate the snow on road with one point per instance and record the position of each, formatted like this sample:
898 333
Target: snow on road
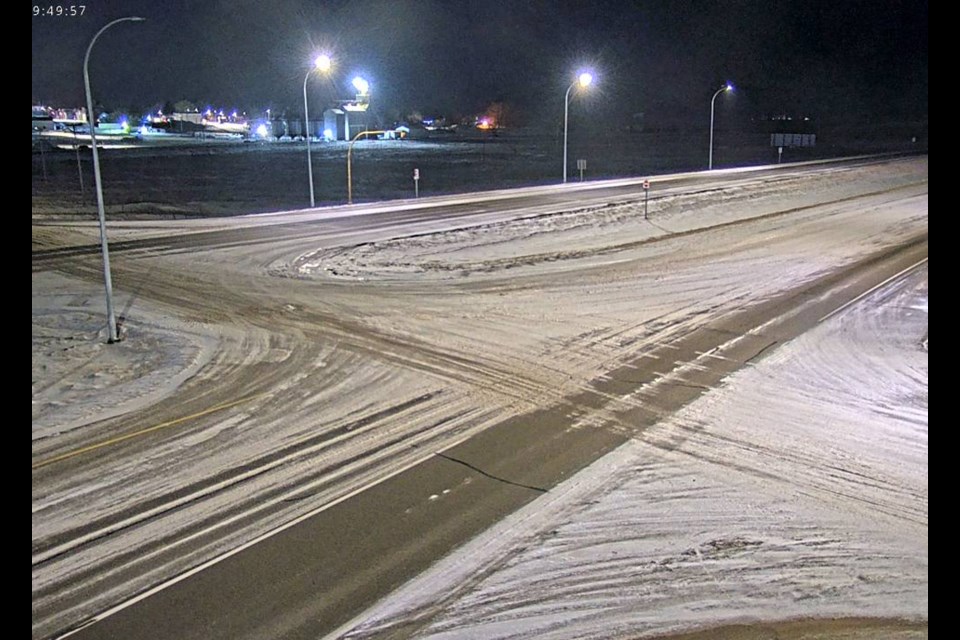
797 489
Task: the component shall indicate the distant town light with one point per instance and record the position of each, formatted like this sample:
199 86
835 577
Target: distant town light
361 85
328 134
262 131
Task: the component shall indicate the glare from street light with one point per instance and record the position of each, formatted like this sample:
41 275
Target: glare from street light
323 62
361 85
585 79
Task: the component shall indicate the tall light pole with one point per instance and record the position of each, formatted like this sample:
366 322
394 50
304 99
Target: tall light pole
584 79
322 63
111 319
724 88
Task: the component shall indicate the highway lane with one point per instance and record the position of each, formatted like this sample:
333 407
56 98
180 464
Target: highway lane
461 396
341 223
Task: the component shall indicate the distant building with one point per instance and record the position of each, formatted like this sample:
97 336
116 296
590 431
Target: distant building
786 131
335 124
43 123
187 116
51 119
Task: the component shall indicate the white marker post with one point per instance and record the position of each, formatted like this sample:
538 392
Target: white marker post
646 196
779 154
581 164
416 183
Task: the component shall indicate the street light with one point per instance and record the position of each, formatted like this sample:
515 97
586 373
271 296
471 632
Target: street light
111 319
584 79
362 87
360 104
724 88
322 63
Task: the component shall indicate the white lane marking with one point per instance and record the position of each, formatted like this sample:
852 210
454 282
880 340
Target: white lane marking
871 290
209 563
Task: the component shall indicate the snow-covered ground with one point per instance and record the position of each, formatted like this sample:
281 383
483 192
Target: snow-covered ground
798 489
78 377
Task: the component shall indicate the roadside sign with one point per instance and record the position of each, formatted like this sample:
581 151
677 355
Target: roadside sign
646 184
416 174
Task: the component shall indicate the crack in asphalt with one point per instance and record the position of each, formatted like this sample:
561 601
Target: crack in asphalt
489 475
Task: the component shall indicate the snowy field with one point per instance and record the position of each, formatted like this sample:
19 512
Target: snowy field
241 178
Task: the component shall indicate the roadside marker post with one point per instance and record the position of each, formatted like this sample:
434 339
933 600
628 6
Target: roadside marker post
416 183
646 196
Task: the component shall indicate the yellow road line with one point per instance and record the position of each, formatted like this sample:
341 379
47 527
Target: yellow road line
163 425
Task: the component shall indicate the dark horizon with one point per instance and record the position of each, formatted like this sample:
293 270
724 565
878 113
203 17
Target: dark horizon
852 60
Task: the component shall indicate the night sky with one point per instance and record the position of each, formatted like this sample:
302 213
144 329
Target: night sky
831 59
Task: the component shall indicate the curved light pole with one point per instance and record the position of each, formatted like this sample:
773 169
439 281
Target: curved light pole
111 319
322 63
583 80
726 87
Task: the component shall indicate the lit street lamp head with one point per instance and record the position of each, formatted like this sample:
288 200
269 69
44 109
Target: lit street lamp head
584 79
729 87
361 85
323 63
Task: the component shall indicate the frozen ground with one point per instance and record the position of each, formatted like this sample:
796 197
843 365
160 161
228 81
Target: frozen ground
78 378
798 489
